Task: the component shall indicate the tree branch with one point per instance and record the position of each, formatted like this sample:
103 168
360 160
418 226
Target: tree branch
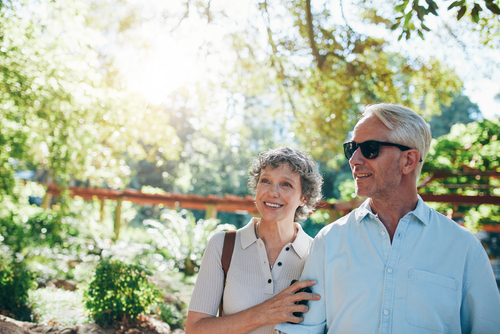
310 29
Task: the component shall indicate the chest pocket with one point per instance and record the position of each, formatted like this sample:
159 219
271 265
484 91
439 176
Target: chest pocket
432 300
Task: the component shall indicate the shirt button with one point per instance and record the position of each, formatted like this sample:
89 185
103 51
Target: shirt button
389 270
269 280
287 249
279 264
386 312
382 233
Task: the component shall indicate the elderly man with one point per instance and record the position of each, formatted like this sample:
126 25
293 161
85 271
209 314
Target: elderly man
394 265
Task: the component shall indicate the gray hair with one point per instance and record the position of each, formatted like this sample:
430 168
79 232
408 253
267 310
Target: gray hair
407 127
301 164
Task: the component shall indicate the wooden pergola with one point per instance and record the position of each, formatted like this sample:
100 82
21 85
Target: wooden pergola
245 205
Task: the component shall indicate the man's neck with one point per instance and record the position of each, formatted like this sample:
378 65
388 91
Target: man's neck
390 211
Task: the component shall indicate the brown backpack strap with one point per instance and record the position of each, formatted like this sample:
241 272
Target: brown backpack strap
227 254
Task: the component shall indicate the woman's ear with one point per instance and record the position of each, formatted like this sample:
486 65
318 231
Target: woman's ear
303 200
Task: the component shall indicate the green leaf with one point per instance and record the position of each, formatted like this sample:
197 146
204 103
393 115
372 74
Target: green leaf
401 7
395 25
475 13
420 34
420 13
461 12
425 27
455 4
493 8
407 20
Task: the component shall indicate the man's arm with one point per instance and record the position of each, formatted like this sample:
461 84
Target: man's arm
315 318
480 312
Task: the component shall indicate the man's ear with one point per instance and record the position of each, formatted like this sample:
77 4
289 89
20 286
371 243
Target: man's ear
412 159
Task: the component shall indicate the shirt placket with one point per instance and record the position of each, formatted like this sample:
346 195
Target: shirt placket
266 270
390 277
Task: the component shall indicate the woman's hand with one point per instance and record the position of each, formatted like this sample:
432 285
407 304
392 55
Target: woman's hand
275 310
281 307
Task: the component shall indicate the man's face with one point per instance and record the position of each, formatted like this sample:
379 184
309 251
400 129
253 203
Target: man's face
375 178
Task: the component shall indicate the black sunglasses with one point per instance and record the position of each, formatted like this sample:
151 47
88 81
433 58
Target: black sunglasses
370 148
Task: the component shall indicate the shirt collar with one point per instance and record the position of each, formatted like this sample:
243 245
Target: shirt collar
248 236
300 245
362 211
421 212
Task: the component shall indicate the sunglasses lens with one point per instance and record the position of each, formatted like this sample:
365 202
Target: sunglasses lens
349 149
370 149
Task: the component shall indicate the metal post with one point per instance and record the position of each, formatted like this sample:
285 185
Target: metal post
118 214
211 211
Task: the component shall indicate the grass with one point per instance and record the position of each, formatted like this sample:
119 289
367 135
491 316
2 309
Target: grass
58 306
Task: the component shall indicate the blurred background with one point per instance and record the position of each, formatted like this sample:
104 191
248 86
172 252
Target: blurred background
177 96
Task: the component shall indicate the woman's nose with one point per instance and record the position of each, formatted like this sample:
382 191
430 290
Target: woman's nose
274 190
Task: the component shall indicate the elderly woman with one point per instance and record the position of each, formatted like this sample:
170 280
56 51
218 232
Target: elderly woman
269 252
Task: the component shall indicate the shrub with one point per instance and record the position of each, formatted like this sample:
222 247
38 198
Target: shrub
178 236
15 282
119 292
171 315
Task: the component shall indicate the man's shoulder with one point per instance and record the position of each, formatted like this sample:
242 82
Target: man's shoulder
339 224
449 227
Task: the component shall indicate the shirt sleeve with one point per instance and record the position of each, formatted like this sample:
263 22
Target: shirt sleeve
480 312
315 319
208 289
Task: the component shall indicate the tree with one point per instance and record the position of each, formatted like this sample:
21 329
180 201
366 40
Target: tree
461 110
63 113
472 147
323 73
411 14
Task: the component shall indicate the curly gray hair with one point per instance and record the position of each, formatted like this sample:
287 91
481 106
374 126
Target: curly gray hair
301 164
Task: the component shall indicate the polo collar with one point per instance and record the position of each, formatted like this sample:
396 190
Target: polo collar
421 212
248 236
300 245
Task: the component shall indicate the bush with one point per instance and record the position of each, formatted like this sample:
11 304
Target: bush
15 282
178 236
119 292
171 315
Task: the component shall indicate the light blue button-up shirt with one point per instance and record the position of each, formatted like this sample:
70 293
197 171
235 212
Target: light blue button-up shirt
435 277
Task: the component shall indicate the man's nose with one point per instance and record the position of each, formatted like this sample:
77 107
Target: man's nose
357 158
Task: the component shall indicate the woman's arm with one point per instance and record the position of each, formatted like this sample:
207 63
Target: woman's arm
273 311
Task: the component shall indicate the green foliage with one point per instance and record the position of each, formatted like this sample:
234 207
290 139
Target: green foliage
413 13
474 145
61 115
171 315
467 148
180 237
42 228
461 110
15 283
59 306
119 292
320 75
347 190
482 215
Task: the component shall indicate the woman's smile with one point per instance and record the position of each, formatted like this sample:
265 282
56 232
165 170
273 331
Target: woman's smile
279 193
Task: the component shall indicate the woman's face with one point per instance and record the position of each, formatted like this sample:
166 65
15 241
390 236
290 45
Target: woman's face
279 194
